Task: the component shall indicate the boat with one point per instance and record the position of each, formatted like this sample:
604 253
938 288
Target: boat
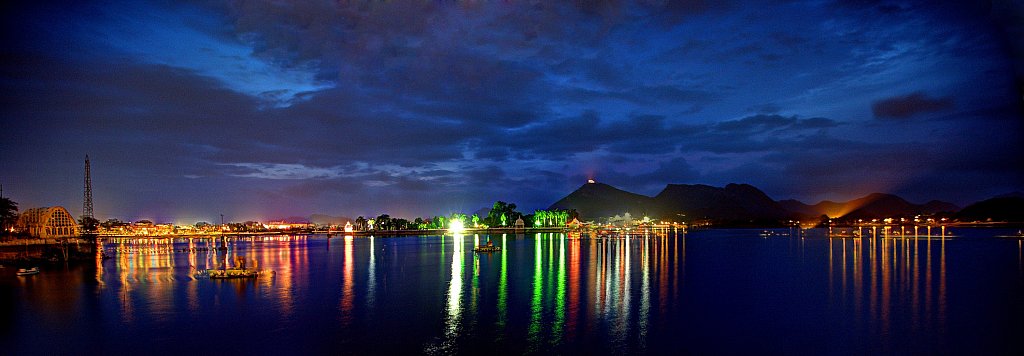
28 272
489 247
232 273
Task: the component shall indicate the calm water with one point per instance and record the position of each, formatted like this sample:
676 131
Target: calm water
716 291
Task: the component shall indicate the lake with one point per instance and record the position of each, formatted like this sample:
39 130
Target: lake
710 291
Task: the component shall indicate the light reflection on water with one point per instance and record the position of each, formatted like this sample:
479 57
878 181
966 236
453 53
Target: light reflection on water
889 291
896 278
348 283
454 293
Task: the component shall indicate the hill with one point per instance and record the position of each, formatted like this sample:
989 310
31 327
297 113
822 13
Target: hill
598 200
321 219
871 206
1004 208
734 203
878 205
825 207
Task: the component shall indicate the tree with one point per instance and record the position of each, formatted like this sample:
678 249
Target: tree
400 223
8 214
88 223
494 216
502 214
383 222
111 223
823 221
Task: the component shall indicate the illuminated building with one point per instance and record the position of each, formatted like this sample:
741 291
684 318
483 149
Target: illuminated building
48 222
574 224
285 225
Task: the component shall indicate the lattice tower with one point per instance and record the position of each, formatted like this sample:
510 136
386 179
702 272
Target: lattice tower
87 204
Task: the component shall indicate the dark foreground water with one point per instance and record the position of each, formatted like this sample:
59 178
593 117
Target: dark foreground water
716 291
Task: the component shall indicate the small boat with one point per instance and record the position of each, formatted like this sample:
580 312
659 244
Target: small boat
487 248
231 273
234 273
28 272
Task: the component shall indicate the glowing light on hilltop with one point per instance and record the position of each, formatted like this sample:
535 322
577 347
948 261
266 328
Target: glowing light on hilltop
456 226
591 181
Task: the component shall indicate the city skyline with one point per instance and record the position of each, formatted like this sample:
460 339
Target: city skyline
263 111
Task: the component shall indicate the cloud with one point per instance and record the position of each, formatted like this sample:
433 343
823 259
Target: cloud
189 38
756 123
284 171
423 107
906 106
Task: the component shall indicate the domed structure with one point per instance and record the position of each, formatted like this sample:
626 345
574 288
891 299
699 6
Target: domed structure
48 222
520 224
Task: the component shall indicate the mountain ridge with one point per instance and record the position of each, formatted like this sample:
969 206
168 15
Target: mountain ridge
734 203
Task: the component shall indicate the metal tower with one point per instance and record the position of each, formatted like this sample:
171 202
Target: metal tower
87 204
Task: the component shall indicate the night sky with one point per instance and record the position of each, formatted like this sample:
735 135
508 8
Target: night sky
268 110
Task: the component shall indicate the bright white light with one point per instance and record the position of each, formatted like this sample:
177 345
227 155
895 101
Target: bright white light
456 226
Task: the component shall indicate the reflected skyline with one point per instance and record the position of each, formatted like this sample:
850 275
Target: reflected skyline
554 292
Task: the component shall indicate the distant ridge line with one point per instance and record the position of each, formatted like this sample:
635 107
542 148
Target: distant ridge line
736 203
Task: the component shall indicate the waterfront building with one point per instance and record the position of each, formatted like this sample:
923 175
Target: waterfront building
285 225
48 222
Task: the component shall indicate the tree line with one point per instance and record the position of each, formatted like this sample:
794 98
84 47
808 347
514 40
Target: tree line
501 214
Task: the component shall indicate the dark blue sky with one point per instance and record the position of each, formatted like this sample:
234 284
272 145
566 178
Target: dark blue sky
266 110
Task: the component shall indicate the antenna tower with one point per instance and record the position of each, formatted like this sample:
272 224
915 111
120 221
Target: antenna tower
87 204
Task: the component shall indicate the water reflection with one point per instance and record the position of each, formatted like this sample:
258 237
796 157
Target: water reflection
575 286
348 283
147 262
371 272
157 267
547 292
535 300
589 284
890 275
454 295
503 289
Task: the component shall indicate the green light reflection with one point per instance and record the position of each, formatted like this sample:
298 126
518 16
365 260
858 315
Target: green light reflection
503 287
535 306
559 326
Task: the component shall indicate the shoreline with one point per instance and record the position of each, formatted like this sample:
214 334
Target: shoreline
14 243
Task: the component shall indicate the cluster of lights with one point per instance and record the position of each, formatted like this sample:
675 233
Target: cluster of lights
456 226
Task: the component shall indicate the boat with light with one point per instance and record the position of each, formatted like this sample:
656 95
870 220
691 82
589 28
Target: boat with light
28 271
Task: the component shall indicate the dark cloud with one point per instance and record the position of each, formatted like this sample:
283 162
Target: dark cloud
905 106
264 110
